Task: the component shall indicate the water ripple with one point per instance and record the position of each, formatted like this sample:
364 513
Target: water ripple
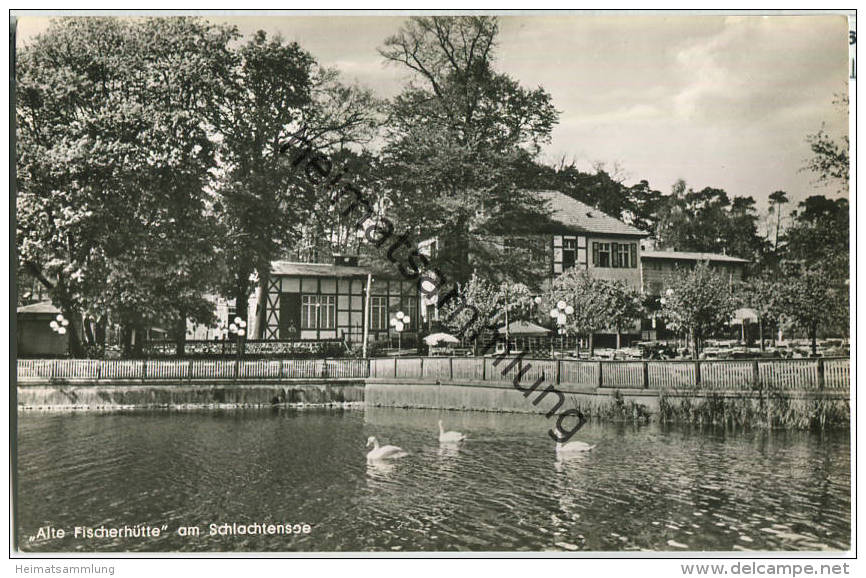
643 488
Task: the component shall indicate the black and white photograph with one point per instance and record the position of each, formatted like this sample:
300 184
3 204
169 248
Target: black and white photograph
414 283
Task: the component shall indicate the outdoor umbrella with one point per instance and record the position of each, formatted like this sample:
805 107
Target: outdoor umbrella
435 338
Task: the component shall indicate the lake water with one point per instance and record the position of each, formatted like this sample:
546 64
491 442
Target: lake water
643 487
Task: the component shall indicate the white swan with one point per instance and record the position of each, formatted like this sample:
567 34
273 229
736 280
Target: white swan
449 437
383 452
573 448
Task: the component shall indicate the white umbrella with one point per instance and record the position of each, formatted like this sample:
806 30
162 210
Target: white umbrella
744 314
435 338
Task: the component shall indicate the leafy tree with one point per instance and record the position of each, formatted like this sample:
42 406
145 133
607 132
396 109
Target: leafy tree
762 294
483 305
709 221
268 194
455 137
697 303
830 160
624 306
588 299
811 299
644 206
113 160
819 234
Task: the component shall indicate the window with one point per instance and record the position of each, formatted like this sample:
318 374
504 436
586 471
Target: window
601 254
309 306
617 255
411 309
622 255
569 248
318 311
379 313
327 311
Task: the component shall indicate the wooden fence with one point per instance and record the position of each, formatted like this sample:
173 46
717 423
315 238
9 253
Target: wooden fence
786 374
40 370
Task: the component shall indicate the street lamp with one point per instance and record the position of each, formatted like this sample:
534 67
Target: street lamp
561 313
399 323
59 324
239 328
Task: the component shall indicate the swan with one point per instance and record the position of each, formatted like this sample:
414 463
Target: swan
573 447
449 437
383 452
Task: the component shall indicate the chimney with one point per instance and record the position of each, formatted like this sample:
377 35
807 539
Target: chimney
346 260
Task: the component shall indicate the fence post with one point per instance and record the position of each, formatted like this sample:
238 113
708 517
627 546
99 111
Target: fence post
189 371
483 369
53 373
600 374
451 369
143 370
756 374
422 367
821 378
395 368
558 372
98 370
645 374
697 373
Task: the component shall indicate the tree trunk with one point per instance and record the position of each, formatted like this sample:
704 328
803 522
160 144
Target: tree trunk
140 336
813 335
261 305
180 335
618 338
778 222
693 343
242 311
591 345
761 332
126 340
76 348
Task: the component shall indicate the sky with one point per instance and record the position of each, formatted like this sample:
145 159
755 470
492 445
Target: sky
720 101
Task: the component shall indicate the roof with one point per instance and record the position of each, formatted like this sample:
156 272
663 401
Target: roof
316 269
581 217
689 256
524 328
41 307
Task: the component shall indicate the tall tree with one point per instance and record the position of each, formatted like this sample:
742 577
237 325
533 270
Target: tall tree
456 134
762 294
830 160
811 300
697 303
624 307
113 162
777 199
588 299
709 221
819 235
268 195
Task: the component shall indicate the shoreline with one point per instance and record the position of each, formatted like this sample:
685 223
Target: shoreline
765 408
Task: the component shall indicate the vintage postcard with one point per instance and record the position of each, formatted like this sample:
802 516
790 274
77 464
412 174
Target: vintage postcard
399 284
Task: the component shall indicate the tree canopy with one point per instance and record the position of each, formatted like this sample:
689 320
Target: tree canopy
455 135
114 156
